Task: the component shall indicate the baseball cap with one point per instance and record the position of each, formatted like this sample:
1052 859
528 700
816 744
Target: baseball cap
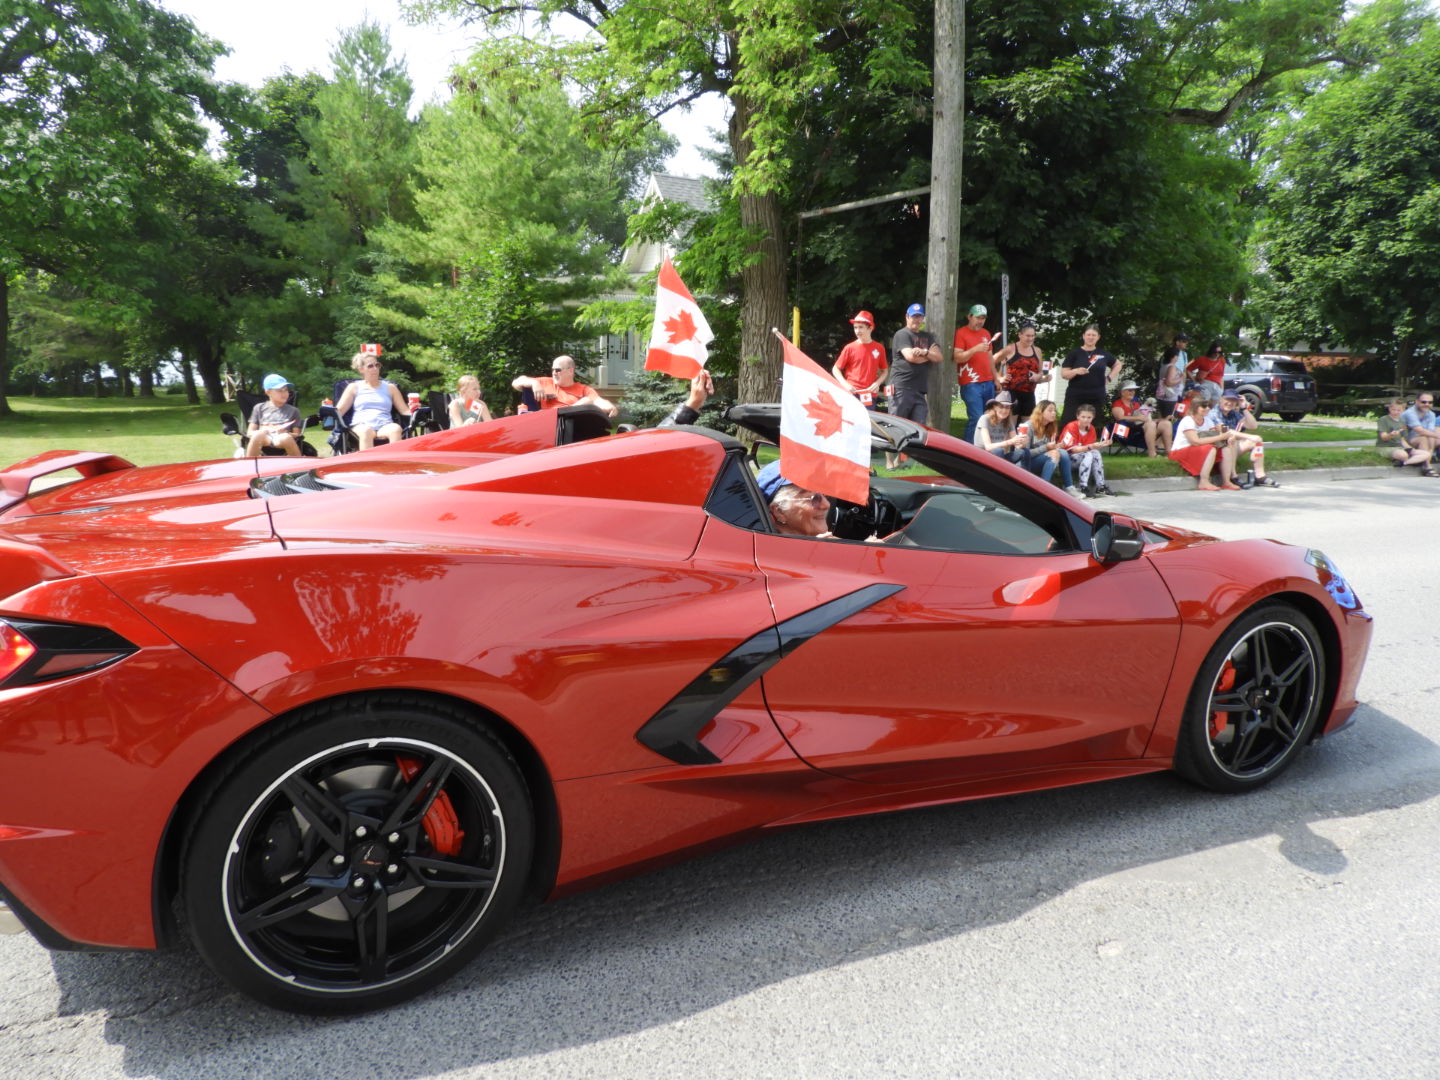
770 480
915 309
865 317
275 382
979 309
1231 394
1182 336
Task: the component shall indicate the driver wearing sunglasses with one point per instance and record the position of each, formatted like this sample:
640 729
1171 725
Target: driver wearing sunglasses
795 511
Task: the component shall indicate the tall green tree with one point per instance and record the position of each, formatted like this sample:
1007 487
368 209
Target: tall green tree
769 57
1351 239
93 95
517 219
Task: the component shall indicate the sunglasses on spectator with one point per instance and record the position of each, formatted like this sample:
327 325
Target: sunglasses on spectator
815 499
1424 401
372 363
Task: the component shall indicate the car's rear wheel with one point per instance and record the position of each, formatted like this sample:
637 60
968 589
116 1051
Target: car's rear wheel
1292 417
1255 702
357 855
1257 403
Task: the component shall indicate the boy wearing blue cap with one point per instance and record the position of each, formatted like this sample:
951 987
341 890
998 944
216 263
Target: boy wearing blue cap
274 422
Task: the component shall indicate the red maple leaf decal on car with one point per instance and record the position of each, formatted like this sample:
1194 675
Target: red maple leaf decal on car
680 328
827 414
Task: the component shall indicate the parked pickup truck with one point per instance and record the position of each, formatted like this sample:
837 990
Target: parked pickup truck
1273 384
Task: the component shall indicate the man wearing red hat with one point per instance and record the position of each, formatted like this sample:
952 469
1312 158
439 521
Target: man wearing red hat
861 364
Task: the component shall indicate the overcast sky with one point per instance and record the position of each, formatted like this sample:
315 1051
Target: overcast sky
267 36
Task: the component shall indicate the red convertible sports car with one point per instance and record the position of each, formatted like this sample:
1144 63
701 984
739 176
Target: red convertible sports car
334 721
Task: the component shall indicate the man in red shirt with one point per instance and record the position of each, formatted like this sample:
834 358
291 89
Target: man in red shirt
560 388
861 364
974 367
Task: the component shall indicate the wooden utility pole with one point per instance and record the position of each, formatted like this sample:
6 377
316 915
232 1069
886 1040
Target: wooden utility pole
946 141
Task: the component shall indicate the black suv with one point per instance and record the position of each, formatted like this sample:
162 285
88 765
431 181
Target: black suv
1276 384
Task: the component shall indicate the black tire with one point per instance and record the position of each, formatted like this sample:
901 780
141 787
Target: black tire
1257 403
1255 703
1292 417
357 855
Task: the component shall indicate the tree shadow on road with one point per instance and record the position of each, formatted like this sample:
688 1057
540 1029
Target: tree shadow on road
674 943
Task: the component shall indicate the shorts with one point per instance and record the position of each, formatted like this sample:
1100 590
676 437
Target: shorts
1163 408
1211 390
1192 458
910 405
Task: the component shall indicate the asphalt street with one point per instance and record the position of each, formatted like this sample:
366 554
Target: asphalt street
1136 928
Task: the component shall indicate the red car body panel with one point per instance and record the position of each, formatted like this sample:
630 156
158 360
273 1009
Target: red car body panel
569 592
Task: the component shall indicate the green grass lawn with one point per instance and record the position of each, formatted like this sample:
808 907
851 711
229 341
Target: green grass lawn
145 431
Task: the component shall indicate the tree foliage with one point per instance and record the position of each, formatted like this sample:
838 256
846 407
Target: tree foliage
96 97
1351 240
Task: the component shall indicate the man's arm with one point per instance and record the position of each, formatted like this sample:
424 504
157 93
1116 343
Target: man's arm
591 394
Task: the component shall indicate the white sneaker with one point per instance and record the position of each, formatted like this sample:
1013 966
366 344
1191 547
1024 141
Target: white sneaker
1073 490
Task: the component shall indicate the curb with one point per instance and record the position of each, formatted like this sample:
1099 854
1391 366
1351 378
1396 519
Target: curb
1187 483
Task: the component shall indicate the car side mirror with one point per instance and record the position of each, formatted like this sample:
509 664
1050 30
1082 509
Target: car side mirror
1115 538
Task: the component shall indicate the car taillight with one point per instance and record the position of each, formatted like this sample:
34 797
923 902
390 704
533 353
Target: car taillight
1276 382
33 652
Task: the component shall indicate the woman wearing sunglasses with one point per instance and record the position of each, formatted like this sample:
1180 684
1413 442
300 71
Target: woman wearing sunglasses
376 403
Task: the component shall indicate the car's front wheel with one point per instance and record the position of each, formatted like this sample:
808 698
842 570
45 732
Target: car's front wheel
357 855
1292 417
1255 702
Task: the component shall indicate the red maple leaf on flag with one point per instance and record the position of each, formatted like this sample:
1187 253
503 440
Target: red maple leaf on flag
680 328
826 413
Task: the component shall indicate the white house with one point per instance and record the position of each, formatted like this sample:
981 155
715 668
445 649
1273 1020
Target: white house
624 354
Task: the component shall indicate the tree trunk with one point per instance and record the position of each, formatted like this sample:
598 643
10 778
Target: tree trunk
147 381
1404 360
207 360
187 375
762 284
127 385
947 136
5 409
98 374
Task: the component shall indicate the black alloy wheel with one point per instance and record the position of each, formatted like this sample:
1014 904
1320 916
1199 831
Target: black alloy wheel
1292 417
358 856
1256 701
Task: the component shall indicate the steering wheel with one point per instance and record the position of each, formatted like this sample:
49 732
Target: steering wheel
851 521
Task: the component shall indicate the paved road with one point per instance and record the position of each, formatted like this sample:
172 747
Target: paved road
1139 928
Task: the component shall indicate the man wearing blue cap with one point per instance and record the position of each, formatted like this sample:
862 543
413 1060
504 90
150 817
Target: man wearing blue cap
274 422
912 351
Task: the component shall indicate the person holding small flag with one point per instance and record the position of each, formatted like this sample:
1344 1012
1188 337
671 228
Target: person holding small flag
861 364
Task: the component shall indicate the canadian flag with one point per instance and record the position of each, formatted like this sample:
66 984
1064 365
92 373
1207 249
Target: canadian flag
680 335
824 431
371 350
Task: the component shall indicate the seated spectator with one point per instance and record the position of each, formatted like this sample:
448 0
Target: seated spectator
560 388
468 407
1392 437
376 403
1083 443
995 432
1043 432
795 511
274 422
1230 415
1420 424
1197 452
1143 430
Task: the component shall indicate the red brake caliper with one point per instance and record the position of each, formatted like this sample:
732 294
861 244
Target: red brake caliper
441 824
1218 722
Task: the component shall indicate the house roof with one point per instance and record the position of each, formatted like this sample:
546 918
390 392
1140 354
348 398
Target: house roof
686 189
